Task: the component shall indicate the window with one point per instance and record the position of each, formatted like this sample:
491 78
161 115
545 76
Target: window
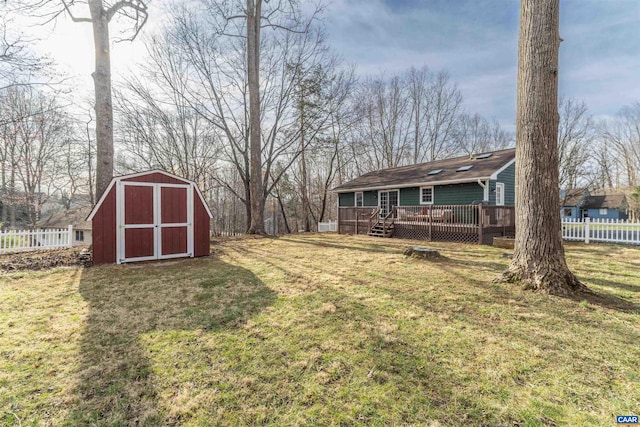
435 172
603 211
426 195
484 156
499 193
567 212
464 168
359 199
79 235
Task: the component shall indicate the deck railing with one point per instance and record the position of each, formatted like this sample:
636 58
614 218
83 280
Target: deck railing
468 223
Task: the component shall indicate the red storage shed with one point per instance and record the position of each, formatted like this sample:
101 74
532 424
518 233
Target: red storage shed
149 215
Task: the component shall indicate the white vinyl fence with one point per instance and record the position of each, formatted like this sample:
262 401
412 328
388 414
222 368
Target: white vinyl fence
21 240
601 230
324 227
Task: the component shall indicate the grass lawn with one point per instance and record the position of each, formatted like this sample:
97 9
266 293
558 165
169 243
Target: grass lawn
320 330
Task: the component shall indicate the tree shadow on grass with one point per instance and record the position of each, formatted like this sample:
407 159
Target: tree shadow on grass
375 245
115 384
609 301
605 300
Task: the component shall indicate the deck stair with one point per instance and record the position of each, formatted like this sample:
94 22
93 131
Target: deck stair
384 227
382 230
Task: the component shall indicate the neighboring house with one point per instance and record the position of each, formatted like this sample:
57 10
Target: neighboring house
443 192
75 217
572 201
54 204
580 204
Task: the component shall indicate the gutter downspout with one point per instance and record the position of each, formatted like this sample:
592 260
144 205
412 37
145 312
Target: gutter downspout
485 187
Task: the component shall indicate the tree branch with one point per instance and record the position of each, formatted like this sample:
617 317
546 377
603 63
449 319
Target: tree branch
73 18
138 6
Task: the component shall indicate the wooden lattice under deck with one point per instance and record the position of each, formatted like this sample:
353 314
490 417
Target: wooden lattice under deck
476 224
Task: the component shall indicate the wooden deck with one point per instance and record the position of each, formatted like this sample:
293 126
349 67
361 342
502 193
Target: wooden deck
439 223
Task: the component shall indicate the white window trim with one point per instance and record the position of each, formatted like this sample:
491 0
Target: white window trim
501 186
432 195
355 199
603 211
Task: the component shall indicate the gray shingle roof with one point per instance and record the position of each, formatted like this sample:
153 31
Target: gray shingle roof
75 216
405 176
574 196
609 201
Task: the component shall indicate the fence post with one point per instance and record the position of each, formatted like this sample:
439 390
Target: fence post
70 241
587 229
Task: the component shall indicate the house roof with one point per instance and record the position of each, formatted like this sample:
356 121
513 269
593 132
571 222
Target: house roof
609 201
415 175
75 217
574 196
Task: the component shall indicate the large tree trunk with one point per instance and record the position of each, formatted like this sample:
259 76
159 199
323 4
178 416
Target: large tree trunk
253 66
103 105
538 261
304 190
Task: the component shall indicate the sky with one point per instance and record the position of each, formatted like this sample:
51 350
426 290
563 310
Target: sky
474 40
477 43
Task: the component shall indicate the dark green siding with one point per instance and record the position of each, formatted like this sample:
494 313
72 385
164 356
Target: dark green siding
452 194
508 177
457 194
370 198
346 199
410 196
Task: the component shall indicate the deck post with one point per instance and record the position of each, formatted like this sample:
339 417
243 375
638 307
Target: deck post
430 223
339 222
480 225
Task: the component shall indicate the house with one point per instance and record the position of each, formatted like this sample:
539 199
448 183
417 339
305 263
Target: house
460 196
76 217
572 201
580 203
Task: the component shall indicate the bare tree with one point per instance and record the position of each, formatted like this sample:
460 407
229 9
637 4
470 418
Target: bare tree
385 110
213 44
538 261
623 136
254 21
445 101
100 14
575 137
16 60
159 129
418 81
34 140
473 134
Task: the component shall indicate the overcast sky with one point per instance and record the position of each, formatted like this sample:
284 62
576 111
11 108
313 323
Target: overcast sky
474 40
477 42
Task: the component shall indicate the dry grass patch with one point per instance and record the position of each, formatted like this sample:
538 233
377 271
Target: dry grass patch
317 330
